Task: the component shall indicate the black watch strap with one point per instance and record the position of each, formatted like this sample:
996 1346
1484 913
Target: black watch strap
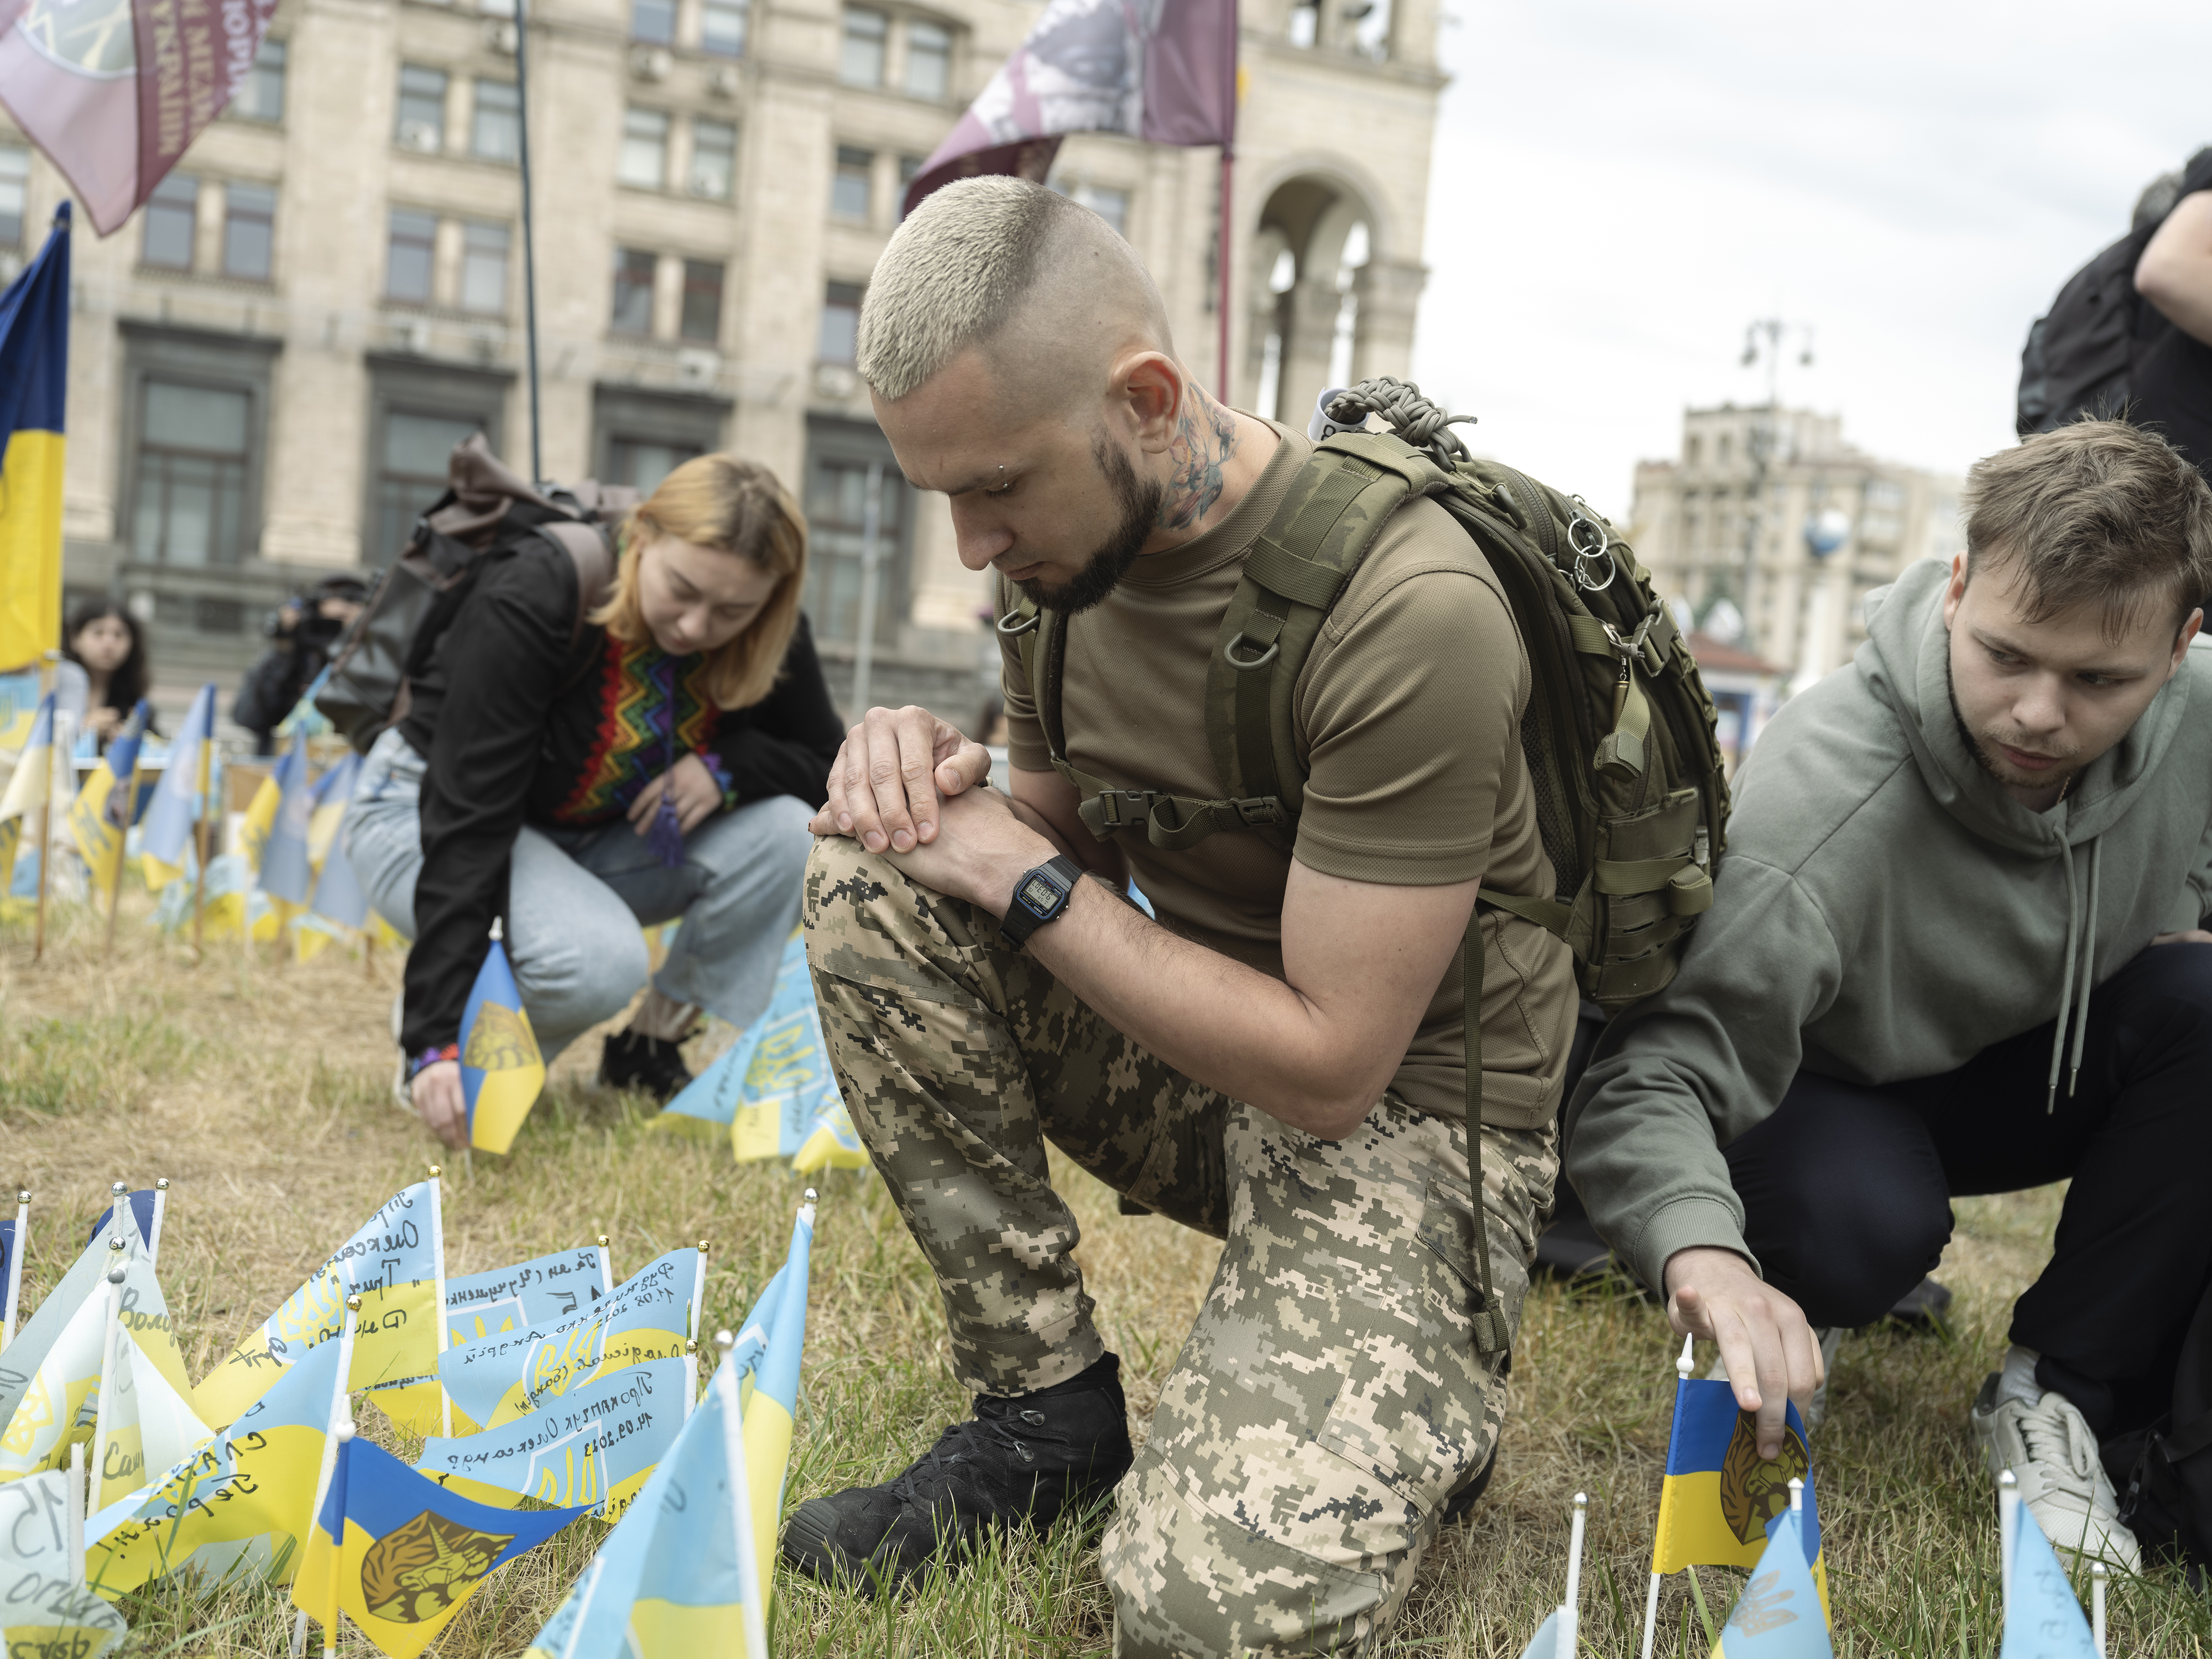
1040 895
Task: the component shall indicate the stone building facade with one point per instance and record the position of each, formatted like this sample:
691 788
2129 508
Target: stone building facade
270 361
1771 531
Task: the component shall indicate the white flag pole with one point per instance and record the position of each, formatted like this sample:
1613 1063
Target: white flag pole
1570 1609
2007 1530
341 1418
15 1264
606 1268
160 1204
2097 1574
751 1614
445 1324
1683 1366
108 1361
76 1512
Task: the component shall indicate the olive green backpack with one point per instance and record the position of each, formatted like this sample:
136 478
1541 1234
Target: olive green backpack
1624 759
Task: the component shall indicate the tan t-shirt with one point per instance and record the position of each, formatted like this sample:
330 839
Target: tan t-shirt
1408 717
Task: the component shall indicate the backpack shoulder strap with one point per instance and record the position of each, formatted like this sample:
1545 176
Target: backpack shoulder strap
594 560
1293 575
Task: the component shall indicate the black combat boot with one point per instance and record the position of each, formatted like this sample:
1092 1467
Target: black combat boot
1026 1457
654 1064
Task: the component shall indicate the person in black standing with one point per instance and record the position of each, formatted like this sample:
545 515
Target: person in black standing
302 635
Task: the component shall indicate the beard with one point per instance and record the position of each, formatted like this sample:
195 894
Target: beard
1993 764
1138 502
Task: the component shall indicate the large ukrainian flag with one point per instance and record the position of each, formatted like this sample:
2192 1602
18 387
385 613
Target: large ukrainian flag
1719 1494
33 374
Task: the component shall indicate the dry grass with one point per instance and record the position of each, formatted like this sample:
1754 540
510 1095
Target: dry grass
261 1091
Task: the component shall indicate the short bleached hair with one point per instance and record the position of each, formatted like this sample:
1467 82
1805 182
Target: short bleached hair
960 270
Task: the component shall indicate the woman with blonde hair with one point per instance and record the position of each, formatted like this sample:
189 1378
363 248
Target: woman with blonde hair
662 766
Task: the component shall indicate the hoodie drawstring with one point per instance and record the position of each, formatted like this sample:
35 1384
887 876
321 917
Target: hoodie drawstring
2080 941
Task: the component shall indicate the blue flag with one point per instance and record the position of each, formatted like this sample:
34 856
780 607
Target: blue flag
34 320
286 871
1779 1615
501 1069
2042 1620
175 808
594 1445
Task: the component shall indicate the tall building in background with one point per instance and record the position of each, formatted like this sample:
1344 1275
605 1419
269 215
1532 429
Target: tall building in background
1771 531
272 360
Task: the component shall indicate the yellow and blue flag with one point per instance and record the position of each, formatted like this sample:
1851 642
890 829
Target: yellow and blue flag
239 1506
34 319
1719 1494
392 1262
542 1291
146 1424
287 873
2042 1618
100 816
501 1070
399 1554
20 692
650 1315
332 794
677 1577
167 841
771 1092
594 1446
772 1410
32 784
1780 1615
20 1360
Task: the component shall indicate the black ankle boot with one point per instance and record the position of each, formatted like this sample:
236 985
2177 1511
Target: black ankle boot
654 1065
1029 1457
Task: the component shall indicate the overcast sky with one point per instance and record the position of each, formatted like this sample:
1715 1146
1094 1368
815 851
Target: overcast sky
1619 188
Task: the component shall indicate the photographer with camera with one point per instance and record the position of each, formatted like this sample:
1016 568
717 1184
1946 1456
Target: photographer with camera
304 633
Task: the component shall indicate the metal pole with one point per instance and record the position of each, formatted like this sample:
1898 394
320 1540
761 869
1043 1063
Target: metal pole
529 254
871 520
1228 173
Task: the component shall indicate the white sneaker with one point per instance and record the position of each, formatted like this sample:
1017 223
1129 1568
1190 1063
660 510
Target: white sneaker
1815 1410
2052 1452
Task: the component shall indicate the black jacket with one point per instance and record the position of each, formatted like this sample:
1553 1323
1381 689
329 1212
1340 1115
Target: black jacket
508 717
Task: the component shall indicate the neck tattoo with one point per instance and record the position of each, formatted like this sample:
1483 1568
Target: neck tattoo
1206 438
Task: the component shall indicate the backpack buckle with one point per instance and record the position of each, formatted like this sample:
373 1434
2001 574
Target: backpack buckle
1259 810
1122 809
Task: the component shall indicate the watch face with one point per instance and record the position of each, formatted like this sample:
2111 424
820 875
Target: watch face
1038 894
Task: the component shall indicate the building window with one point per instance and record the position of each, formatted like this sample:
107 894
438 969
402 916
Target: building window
909 169
1111 205
860 55
644 159
722 28
642 463
702 301
652 21
483 267
841 325
838 479
409 257
928 61
14 175
421 123
172 218
495 123
262 97
640 437
633 307
852 186
191 474
417 447
249 231
713 159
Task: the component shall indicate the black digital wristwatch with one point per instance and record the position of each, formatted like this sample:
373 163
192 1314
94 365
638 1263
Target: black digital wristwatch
1040 896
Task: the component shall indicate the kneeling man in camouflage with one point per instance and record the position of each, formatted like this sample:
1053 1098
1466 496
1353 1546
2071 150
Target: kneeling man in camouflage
1277 1061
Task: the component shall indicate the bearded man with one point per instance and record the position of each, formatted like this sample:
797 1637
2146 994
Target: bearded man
1957 947
1279 1060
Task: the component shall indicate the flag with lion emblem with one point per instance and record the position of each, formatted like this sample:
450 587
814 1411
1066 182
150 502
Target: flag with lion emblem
398 1553
501 1070
1719 1494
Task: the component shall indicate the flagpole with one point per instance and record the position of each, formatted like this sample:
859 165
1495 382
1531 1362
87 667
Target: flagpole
76 1512
122 842
161 1204
199 886
108 1362
2007 1527
1684 1365
2097 1574
1570 1609
1228 174
16 1265
445 1325
529 240
45 860
606 1268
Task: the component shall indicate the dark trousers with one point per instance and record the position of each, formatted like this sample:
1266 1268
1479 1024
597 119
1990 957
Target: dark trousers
1847 1189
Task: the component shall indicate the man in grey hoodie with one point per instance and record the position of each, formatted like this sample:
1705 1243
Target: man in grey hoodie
1956 947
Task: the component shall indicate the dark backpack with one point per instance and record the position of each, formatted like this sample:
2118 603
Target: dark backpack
2163 1475
2080 357
487 513
1620 736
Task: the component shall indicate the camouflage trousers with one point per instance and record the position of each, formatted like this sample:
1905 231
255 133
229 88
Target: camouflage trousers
1328 1399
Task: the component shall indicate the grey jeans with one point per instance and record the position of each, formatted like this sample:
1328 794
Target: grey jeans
577 898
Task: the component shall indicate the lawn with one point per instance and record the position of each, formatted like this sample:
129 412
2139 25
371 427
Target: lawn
261 1091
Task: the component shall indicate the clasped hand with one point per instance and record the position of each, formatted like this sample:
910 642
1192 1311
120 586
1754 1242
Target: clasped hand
906 784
